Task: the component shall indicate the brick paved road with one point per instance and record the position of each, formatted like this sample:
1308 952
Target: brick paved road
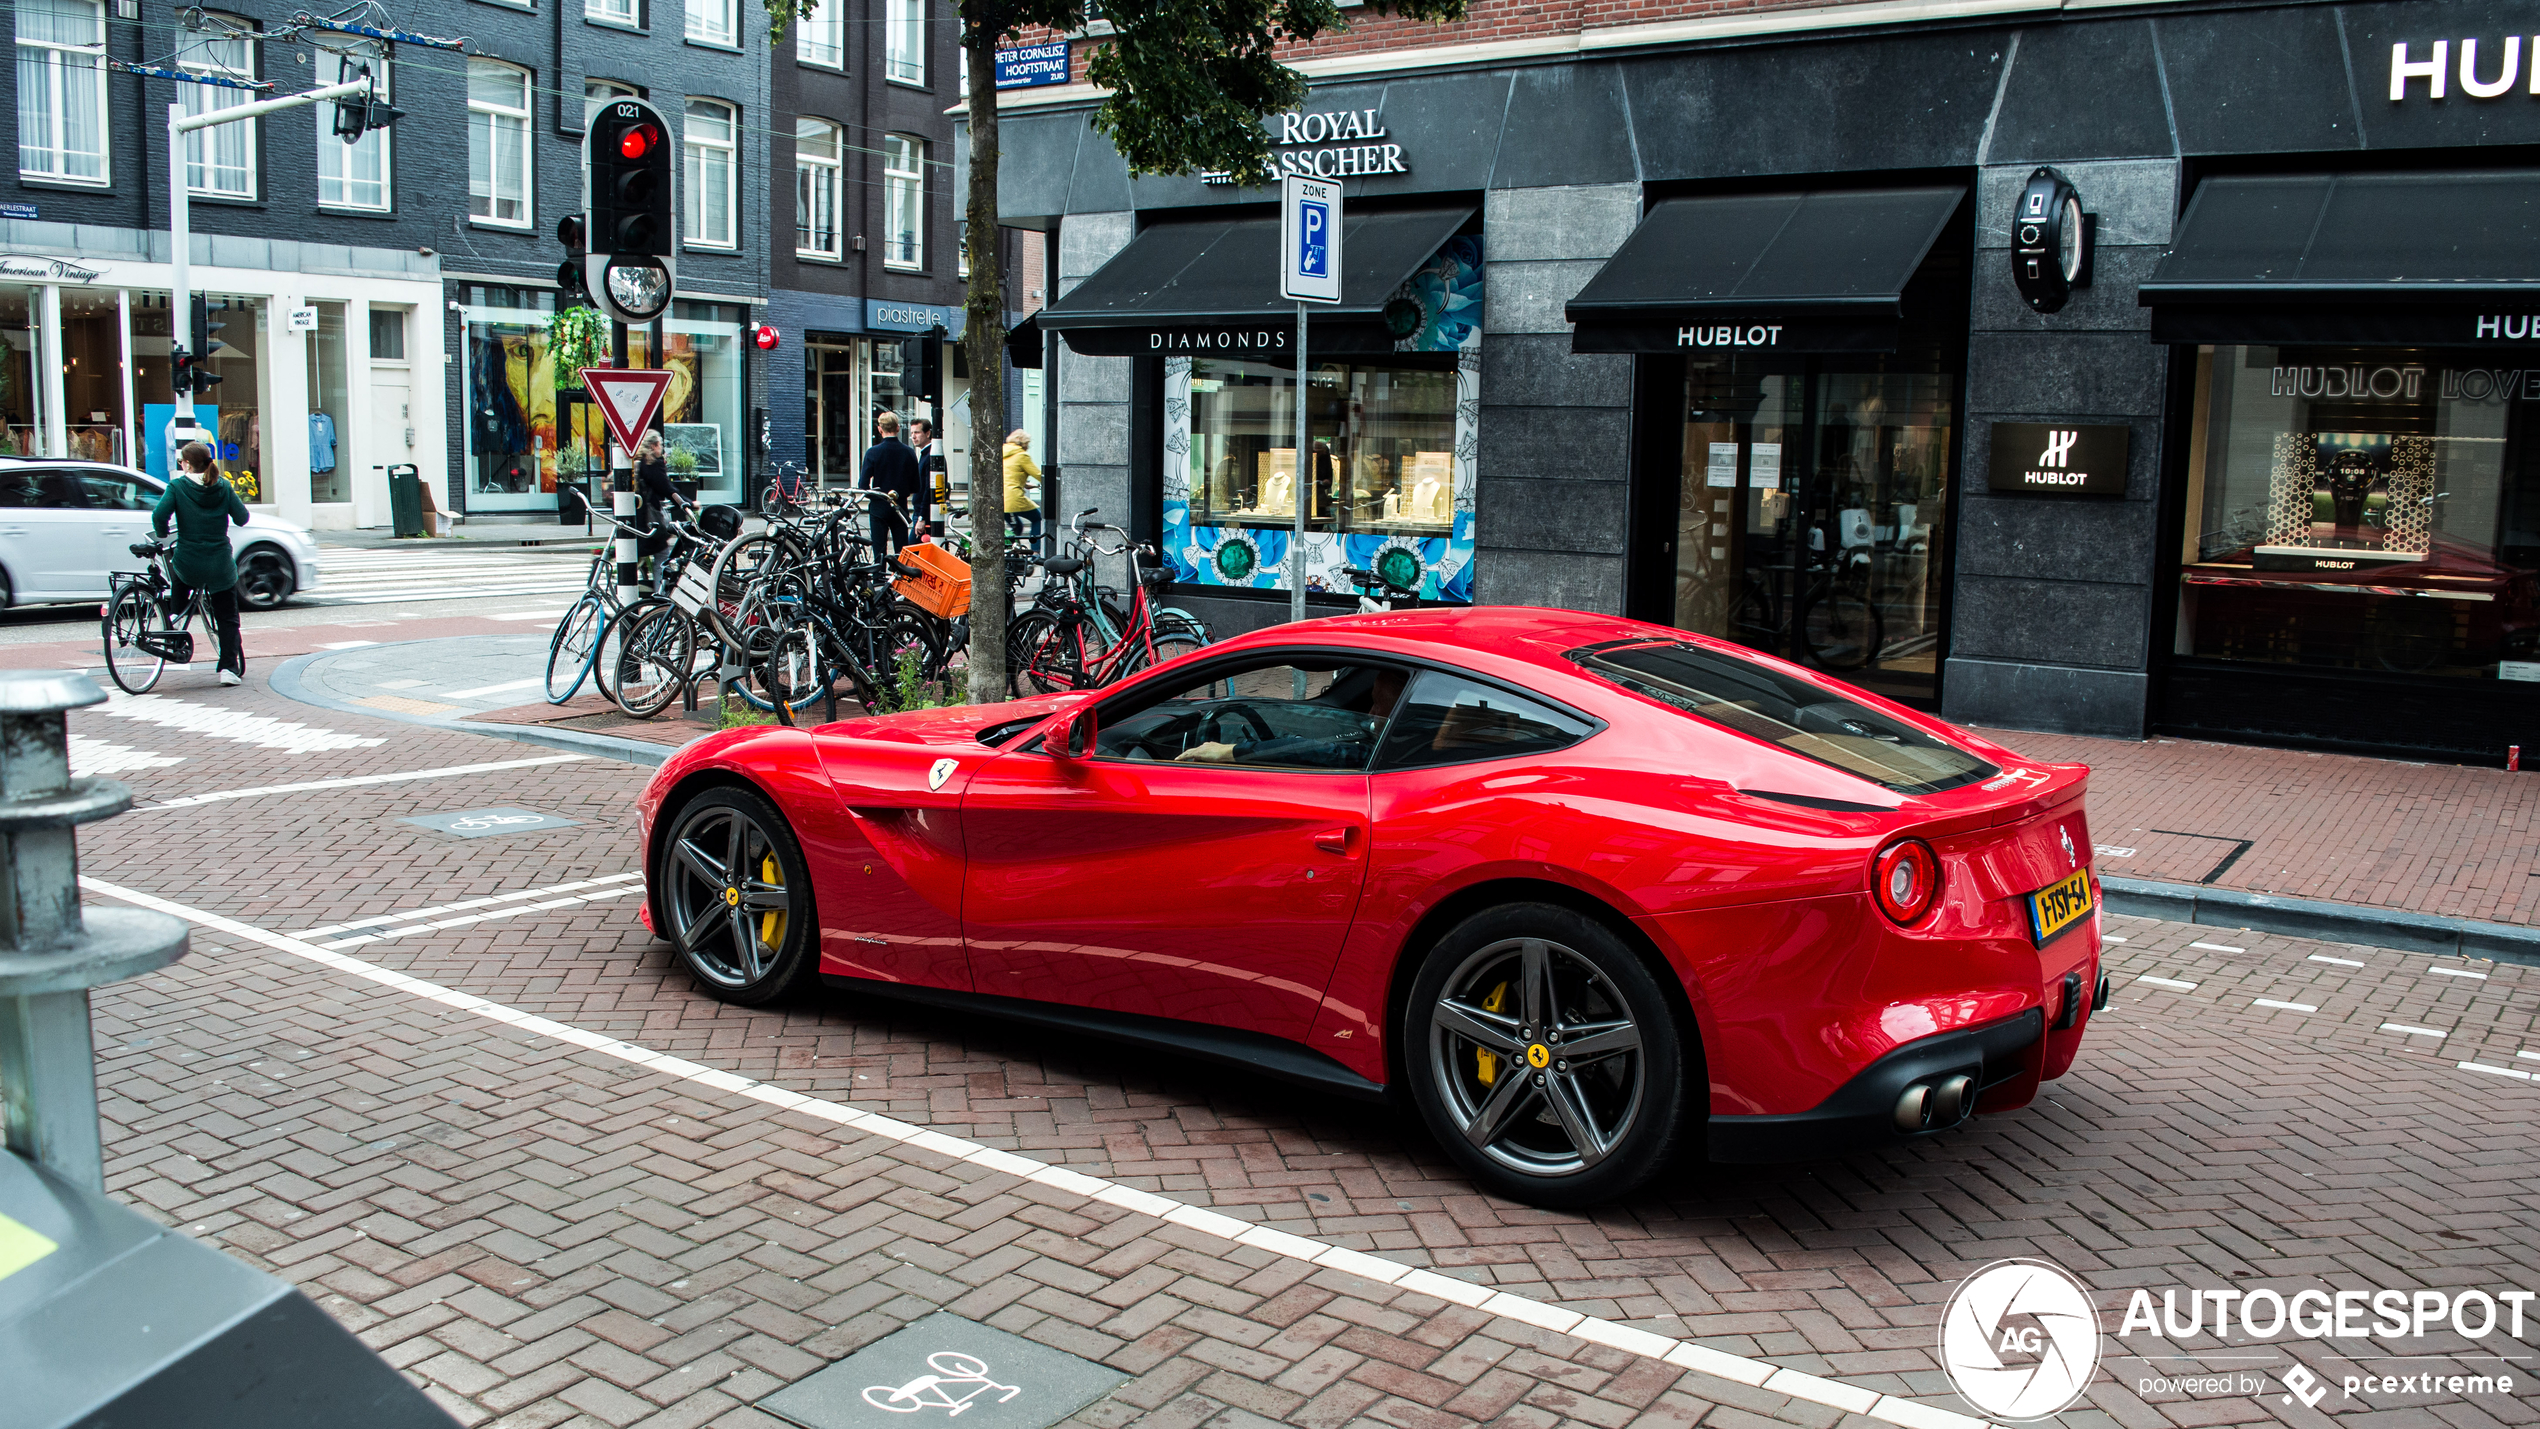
544 1234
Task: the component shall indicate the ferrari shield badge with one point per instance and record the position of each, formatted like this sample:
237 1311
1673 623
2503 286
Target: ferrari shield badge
942 771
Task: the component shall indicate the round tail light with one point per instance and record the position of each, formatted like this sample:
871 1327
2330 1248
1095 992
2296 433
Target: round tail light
1905 878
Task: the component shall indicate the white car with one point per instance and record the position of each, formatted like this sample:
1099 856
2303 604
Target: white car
65 524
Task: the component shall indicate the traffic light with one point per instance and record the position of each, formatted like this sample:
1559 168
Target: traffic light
630 206
569 231
199 348
922 366
180 370
354 117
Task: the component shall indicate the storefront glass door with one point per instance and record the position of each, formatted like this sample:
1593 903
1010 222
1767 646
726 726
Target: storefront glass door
1811 512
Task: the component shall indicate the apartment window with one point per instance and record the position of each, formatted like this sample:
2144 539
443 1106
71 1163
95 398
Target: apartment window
220 162
712 219
613 12
710 21
596 92
62 90
824 37
904 201
353 175
387 335
816 170
497 143
961 244
904 47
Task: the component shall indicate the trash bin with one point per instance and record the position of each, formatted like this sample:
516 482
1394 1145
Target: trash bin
573 504
405 499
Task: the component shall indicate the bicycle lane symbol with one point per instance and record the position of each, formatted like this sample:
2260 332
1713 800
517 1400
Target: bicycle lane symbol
953 1372
474 823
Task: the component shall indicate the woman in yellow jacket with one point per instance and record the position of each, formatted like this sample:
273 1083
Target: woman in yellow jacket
1019 508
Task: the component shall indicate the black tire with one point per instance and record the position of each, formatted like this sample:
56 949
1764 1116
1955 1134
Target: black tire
650 652
1043 657
746 938
265 578
130 613
1567 1133
1841 629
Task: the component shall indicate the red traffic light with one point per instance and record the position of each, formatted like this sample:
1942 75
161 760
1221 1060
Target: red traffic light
765 337
638 141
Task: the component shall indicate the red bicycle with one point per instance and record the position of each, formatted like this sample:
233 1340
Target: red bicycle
1074 639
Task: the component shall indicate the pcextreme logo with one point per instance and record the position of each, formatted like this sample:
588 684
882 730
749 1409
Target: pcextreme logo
2020 1340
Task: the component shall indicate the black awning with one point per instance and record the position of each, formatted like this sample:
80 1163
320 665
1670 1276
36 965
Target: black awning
1822 271
1023 342
1211 286
2444 258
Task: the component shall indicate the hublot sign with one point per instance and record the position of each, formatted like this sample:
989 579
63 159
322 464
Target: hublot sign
2053 459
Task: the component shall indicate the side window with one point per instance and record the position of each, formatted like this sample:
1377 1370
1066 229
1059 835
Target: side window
18 490
61 491
1279 713
1450 719
107 494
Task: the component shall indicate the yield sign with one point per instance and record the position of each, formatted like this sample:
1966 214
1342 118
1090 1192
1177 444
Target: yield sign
627 397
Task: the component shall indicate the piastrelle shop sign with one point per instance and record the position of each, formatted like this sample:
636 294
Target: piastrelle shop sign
1329 144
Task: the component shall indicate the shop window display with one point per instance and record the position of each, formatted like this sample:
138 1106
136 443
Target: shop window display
2372 510
511 401
330 408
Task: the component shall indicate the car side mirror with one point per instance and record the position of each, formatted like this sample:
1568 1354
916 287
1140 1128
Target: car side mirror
1075 738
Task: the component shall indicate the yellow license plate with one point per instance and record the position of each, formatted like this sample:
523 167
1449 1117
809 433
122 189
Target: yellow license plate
2060 905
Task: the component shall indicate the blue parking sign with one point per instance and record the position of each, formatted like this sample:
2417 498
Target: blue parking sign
1309 240
1314 235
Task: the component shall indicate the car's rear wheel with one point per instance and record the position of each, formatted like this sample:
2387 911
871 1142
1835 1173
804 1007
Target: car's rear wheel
1545 1056
265 578
735 898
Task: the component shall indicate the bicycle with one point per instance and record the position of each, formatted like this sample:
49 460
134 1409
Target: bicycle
1371 583
789 491
140 635
1060 644
1835 623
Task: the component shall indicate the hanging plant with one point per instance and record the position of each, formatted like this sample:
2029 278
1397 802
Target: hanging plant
577 338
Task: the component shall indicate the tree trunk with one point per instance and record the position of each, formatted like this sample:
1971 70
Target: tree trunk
985 339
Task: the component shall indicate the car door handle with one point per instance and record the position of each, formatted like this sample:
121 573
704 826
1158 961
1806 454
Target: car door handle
1335 840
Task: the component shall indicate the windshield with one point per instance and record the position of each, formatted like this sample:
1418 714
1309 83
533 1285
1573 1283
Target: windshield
1800 717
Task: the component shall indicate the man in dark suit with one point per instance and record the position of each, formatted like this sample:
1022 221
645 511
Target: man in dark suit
895 484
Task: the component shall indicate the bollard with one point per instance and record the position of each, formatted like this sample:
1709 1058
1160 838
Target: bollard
51 950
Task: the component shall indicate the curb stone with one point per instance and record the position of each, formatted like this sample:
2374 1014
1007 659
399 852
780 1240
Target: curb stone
286 682
2316 918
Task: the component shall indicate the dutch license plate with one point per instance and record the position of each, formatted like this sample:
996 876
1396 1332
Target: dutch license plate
2059 905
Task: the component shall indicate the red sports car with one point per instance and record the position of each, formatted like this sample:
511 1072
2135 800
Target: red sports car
1582 888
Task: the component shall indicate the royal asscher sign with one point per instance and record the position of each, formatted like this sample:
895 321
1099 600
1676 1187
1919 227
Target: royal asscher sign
1329 144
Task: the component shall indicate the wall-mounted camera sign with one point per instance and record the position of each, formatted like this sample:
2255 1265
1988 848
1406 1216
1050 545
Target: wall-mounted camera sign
2059 459
2050 241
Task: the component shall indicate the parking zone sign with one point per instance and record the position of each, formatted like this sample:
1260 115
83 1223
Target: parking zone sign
1309 240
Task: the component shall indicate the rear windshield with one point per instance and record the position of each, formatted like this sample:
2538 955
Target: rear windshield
1794 714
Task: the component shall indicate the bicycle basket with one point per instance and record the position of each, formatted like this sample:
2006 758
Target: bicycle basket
721 522
940 583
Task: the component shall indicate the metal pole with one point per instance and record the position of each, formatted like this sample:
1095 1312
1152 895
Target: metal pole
1304 474
622 489
180 254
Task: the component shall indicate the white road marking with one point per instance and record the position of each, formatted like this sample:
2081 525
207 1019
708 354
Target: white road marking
214 722
2534 1056
2218 947
401 684
2456 972
187 801
464 904
402 931
2499 1071
1701 1359
2414 1031
529 614
2111 851
2168 982
346 644
2282 1006
2341 962
96 756
505 688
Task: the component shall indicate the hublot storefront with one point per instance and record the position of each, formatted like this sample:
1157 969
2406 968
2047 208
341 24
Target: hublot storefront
2142 369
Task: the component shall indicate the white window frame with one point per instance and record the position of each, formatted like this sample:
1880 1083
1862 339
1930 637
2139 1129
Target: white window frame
203 146
903 181
627 14
597 91
376 141
61 71
698 151
904 41
828 175
823 41
711 22
491 116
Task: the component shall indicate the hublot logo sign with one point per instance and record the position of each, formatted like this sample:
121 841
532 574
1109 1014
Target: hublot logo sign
2436 70
1731 335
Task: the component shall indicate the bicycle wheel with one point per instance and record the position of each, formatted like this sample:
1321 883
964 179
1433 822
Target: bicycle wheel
131 613
1044 656
741 567
1172 642
569 651
793 669
911 659
1841 629
653 657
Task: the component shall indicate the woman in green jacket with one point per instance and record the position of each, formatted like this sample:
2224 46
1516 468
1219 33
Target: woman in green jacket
202 505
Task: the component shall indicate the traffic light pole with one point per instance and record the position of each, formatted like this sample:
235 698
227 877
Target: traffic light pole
180 229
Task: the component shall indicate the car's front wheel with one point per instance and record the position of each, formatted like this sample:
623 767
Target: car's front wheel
735 897
265 578
1545 1056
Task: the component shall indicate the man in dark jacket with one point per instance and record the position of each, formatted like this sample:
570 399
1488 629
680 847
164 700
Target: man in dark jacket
899 483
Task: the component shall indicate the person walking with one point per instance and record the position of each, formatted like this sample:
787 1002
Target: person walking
895 486
656 499
1021 512
203 506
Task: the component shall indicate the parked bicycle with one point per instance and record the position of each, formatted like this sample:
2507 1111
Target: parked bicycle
1377 592
1831 619
1069 640
142 636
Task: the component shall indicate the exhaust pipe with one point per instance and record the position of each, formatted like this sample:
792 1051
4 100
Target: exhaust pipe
1928 1107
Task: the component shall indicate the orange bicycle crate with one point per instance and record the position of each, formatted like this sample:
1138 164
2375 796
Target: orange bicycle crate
941 586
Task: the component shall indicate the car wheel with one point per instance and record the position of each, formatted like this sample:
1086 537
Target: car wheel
735 898
265 578
1545 1056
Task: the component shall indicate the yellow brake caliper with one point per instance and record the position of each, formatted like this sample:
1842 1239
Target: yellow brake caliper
1487 1061
771 926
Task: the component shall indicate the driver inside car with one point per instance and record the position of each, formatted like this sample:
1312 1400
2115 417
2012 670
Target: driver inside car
1306 751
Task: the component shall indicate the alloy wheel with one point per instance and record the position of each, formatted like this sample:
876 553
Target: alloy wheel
1536 1057
726 895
